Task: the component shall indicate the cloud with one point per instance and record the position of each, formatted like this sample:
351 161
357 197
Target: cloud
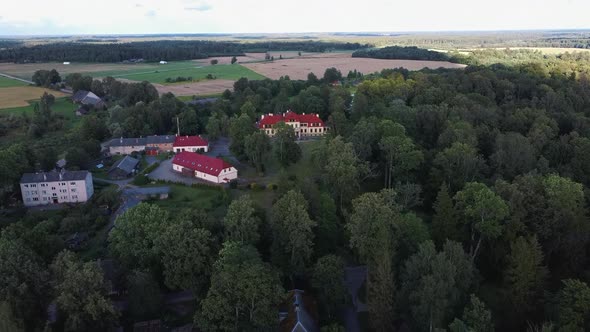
150 13
199 7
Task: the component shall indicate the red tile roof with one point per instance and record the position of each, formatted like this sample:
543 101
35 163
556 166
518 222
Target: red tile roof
190 141
272 119
201 163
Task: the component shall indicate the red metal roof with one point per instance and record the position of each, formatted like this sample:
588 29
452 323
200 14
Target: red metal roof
190 141
201 163
272 119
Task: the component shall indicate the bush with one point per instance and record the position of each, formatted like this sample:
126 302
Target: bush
254 186
151 168
272 186
233 184
141 180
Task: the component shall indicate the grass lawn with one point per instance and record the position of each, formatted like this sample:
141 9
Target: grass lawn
183 197
198 71
62 106
6 82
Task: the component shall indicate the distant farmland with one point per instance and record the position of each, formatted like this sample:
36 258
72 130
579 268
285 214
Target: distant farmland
299 68
6 82
152 72
18 96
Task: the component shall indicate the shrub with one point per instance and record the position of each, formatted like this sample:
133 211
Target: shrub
141 180
254 186
271 186
233 184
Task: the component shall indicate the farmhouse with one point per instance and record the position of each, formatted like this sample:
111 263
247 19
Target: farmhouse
305 125
157 144
56 187
191 144
88 98
126 145
153 145
204 167
123 168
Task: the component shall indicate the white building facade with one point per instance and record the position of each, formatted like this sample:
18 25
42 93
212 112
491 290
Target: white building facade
56 187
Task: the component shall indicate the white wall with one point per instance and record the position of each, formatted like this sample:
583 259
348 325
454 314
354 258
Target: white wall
65 192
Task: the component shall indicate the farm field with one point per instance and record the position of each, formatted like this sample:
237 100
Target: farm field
18 96
202 88
62 106
6 82
186 69
151 72
299 68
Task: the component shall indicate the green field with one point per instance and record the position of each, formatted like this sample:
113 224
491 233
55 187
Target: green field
6 82
196 70
62 106
183 197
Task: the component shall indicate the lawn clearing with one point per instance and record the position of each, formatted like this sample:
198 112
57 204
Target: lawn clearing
187 69
183 197
62 106
298 68
6 82
18 96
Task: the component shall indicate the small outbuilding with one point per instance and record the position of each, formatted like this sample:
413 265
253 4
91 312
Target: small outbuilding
124 168
163 62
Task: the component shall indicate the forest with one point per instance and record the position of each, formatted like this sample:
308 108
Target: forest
405 53
157 50
463 192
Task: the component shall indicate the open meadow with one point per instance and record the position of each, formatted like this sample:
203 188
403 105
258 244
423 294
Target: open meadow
299 68
18 96
6 82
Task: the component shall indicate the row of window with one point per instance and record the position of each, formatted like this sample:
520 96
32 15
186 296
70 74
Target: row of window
33 185
50 199
44 192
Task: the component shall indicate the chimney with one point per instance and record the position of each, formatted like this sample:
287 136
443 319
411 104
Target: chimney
44 177
262 117
121 140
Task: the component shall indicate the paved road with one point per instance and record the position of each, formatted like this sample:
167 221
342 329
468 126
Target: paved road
17 78
353 281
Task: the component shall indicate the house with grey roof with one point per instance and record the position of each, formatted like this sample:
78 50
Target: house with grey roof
152 145
299 313
88 98
56 187
126 145
123 168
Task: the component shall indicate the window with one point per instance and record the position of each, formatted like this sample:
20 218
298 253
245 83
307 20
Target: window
33 186
52 188
73 190
36 199
54 195
26 185
72 183
28 199
44 192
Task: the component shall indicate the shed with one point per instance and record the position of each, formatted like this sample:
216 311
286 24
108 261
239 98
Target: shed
123 168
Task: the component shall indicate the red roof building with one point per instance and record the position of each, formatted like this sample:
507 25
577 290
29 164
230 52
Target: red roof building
191 144
204 167
305 125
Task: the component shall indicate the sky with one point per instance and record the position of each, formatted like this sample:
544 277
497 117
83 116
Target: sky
67 17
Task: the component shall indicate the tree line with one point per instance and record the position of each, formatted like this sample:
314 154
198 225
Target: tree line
404 53
155 50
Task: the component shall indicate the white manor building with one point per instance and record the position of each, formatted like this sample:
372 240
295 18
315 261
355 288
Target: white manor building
56 187
304 125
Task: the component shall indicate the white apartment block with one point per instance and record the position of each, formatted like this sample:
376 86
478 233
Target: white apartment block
56 187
